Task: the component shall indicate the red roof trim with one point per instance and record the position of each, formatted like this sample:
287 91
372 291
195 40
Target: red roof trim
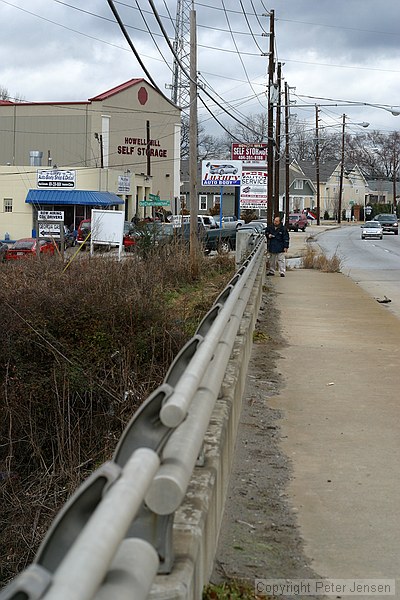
116 90
49 103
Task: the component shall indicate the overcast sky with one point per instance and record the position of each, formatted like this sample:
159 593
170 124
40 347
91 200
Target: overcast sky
332 52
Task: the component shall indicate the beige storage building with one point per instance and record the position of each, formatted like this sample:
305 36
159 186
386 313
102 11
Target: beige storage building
125 141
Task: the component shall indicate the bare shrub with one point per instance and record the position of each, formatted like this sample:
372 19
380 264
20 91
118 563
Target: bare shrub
318 260
82 347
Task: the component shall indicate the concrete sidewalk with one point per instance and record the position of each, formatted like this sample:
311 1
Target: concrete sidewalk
340 423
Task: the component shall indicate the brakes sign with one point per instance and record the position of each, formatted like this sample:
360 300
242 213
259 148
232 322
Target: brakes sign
254 186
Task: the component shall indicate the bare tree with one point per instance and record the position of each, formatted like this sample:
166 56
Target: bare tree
376 153
4 93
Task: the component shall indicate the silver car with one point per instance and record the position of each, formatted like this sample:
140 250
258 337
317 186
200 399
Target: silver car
222 169
371 229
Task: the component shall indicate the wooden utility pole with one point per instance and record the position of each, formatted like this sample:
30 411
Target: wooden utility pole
317 164
395 167
270 141
287 157
193 147
339 215
277 163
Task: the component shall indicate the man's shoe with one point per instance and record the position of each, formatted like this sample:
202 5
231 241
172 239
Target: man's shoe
270 274
282 274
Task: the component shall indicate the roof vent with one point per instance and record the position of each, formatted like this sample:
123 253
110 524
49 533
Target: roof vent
35 158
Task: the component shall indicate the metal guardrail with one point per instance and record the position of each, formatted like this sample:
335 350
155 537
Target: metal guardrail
116 532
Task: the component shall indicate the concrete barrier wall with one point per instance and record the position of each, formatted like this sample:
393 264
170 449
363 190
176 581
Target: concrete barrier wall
198 520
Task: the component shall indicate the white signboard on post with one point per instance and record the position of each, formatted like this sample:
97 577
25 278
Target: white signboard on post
254 189
49 230
51 215
107 229
221 172
253 156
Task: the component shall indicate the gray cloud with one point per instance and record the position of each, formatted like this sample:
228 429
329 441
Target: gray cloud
346 50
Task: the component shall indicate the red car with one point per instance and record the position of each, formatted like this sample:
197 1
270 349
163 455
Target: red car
28 247
84 229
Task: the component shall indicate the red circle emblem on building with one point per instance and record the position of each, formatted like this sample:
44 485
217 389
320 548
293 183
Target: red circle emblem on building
142 95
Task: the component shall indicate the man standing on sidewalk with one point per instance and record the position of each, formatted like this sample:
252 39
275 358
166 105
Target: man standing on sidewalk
277 245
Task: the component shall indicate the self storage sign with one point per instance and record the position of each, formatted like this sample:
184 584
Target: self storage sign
221 172
250 153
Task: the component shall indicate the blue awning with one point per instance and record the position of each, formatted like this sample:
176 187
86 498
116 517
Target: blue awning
69 197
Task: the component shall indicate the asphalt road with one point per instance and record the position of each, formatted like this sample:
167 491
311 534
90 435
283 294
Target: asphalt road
325 382
373 264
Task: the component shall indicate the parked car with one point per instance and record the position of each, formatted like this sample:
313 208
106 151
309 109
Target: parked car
69 239
222 169
177 220
26 247
297 221
208 221
84 228
3 251
159 233
232 222
371 229
262 222
130 236
389 222
253 226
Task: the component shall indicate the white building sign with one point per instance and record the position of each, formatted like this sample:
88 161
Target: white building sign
50 215
49 178
124 184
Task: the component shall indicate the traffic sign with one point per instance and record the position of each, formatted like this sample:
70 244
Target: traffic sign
49 230
154 202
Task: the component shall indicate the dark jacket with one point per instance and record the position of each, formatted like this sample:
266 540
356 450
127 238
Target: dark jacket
280 239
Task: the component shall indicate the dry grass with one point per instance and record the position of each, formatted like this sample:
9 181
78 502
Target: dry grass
82 348
318 260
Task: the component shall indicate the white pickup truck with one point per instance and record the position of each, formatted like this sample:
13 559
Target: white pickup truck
231 222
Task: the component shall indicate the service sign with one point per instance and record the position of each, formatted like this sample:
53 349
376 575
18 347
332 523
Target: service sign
250 154
50 178
221 172
254 189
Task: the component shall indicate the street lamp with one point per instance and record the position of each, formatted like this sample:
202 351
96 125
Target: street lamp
363 124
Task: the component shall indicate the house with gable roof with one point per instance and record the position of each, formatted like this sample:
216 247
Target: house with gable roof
355 186
302 190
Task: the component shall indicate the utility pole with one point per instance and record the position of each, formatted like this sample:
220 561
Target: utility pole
193 146
270 141
180 94
395 167
278 142
339 216
317 164
287 158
